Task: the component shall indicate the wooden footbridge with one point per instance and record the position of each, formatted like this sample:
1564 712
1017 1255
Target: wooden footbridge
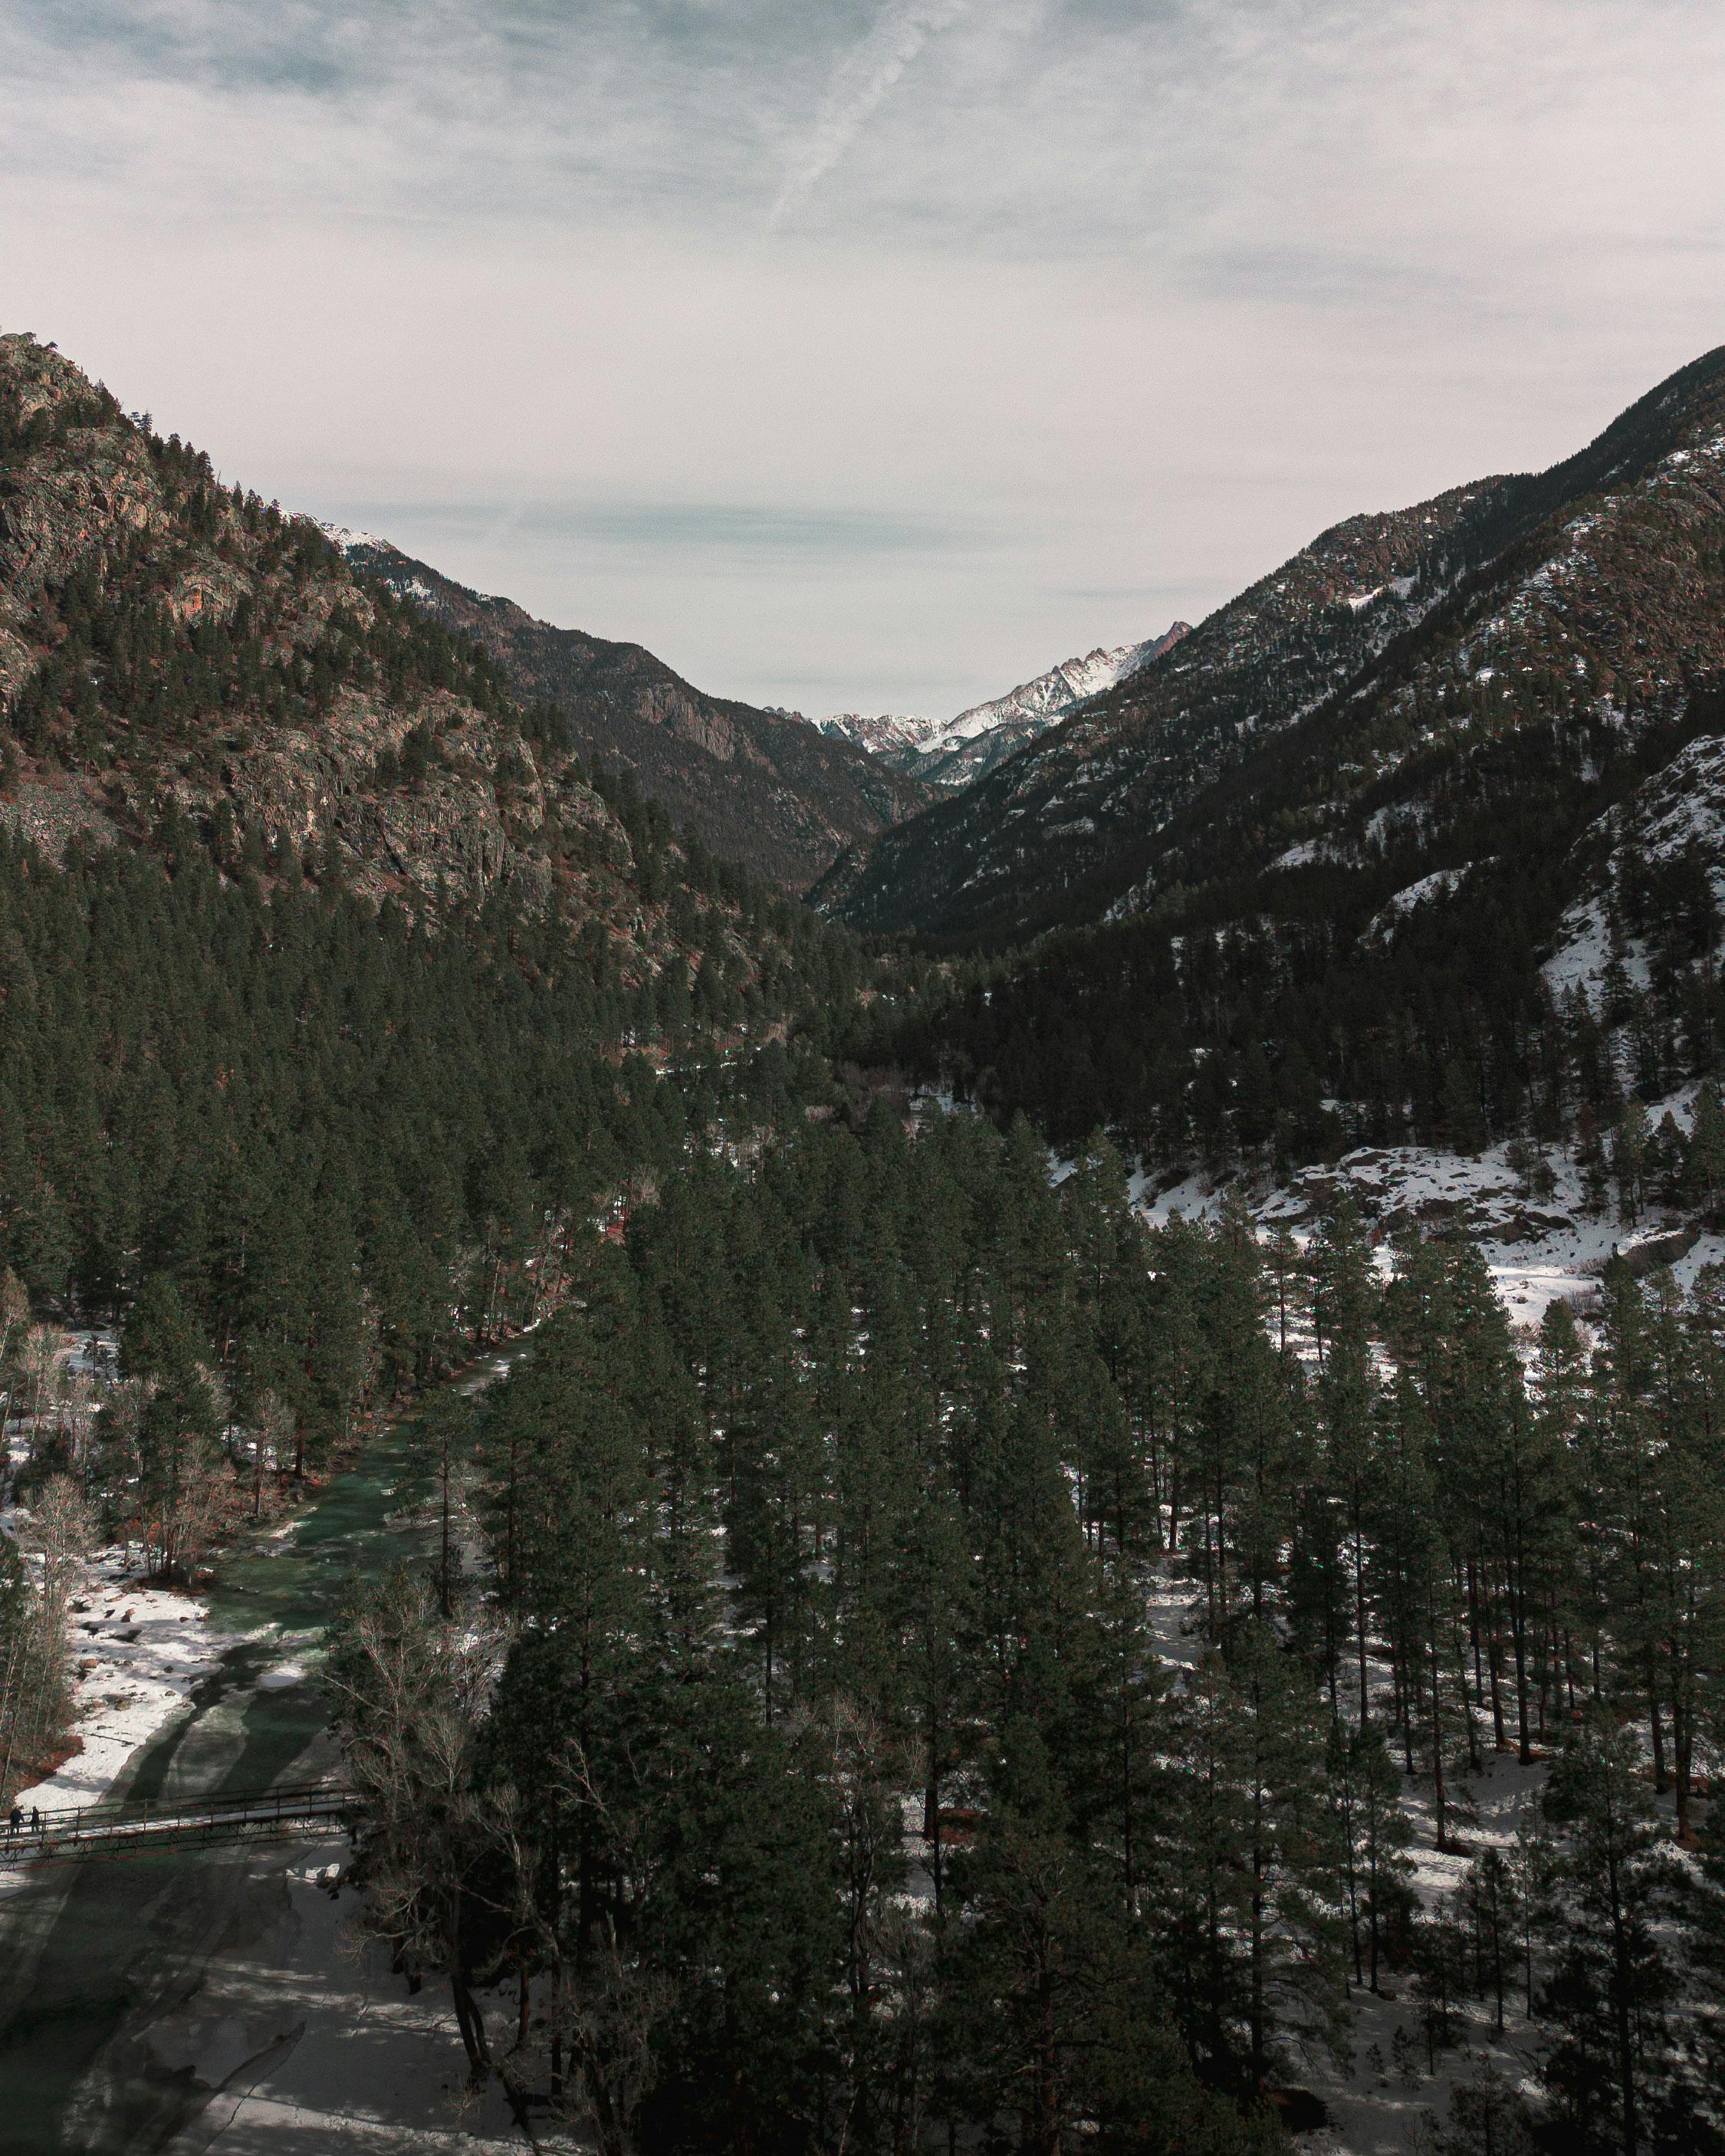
145 1826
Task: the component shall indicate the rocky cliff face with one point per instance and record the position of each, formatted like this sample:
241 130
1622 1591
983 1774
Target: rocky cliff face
761 787
181 663
1363 695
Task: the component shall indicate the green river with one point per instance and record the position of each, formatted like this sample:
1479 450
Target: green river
104 1966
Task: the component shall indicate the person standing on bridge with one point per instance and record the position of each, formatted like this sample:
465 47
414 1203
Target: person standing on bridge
35 1819
15 1818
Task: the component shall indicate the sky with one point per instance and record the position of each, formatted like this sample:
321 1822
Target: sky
866 354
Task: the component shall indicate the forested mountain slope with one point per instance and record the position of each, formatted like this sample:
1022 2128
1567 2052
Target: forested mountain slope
322 960
1475 892
174 650
761 787
1371 697
177 652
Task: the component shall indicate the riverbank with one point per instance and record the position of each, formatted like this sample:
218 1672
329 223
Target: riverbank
141 1650
217 2002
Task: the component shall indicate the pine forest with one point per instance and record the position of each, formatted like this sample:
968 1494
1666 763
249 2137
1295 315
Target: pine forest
1010 1599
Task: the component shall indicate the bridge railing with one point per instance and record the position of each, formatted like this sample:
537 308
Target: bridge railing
116 1826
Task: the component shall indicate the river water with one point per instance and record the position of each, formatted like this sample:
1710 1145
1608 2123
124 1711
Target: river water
117 1980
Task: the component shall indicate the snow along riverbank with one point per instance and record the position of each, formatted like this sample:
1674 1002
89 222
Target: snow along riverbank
141 1650
311 2044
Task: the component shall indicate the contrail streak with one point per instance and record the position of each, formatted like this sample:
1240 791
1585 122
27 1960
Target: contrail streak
861 82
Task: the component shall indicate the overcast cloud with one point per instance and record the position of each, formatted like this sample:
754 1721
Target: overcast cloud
866 355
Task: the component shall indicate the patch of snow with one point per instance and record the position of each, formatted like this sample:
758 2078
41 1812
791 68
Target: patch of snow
141 1650
1303 855
350 540
1439 884
1581 958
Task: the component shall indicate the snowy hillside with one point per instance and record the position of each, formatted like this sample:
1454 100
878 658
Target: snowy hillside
1657 897
1544 1235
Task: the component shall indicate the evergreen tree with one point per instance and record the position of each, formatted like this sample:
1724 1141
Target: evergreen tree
1620 2073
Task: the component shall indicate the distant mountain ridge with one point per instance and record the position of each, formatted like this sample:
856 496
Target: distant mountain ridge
1064 687
760 788
895 739
967 748
1364 698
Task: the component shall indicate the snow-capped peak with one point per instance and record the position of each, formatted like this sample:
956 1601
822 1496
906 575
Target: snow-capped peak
1051 694
889 734
955 752
352 542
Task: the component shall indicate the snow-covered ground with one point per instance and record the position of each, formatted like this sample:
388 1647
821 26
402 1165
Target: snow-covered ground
1376 2109
1378 2104
1539 1248
140 1652
315 2048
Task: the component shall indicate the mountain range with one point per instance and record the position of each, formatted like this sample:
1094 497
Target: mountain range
183 669
1361 703
759 787
1364 835
967 748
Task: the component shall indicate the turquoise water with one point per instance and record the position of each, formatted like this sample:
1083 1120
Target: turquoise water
93 1957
